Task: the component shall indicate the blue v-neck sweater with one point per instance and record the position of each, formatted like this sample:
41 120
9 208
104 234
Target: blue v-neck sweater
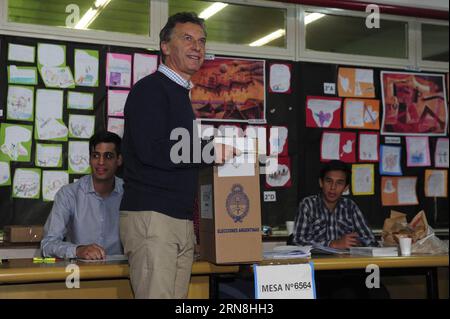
155 106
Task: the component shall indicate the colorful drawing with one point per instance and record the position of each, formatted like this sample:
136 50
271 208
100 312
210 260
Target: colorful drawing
414 104
229 89
355 83
417 151
323 112
390 160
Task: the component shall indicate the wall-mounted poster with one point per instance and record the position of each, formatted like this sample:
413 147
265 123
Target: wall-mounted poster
323 112
230 89
355 82
413 104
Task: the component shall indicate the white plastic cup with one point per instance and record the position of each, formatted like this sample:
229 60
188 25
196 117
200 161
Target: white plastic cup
290 227
405 246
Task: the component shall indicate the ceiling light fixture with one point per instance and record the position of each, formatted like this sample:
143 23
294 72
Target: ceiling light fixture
212 10
268 38
92 14
311 17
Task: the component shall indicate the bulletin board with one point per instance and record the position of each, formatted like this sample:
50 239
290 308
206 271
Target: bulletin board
288 87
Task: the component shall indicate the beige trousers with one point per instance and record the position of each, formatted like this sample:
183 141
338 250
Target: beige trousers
160 252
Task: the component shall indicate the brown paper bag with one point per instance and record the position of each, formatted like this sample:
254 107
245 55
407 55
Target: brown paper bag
396 226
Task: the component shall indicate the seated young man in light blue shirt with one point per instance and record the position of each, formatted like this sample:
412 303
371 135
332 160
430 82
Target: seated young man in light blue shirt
84 221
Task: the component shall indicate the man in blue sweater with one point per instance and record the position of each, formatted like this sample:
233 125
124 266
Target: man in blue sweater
156 226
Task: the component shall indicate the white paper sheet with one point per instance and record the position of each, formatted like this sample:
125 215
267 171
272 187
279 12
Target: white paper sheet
116 102
14 140
354 113
20 103
52 181
280 177
26 183
86 67
368 147
5 173
390 161
51 55
441 153
80 101
330 146
407 190
363 179
81 126
78 157
364 75
116 125
21 53
57 77
22 75
49 112
435 185
144 64
280 78
277 139
48 155
418 151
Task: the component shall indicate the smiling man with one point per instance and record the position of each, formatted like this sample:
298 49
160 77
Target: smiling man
156 212
84 221
328 219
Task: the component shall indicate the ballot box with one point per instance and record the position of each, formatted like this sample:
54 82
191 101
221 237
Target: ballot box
230 208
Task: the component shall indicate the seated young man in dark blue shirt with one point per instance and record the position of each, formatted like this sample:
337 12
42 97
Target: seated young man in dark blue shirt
328 219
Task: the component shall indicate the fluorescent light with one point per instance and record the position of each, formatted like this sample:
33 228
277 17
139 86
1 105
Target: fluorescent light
270 37
92 14
212 10
311 17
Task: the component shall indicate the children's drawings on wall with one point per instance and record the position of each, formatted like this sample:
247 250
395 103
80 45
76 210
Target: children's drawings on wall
338 146
368 147
27 183
436 181
390 163
363 179
417 151
441 153
323 112
361 114
355 82
398 191
414 104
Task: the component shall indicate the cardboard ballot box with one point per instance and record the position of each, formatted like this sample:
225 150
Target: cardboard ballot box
230 209
23 234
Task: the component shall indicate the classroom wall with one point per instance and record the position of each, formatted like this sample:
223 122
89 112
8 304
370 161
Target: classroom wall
281 109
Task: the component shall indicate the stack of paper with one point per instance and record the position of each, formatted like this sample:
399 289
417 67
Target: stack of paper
319 249
374 251
288 252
